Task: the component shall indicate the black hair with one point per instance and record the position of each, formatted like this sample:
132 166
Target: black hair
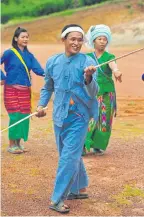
17 32
70 25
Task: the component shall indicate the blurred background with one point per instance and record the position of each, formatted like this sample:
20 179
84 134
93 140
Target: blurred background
44 19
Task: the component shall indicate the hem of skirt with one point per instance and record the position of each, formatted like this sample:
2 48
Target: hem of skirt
78 191
18 138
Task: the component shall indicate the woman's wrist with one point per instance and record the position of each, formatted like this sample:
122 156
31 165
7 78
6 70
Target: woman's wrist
115 70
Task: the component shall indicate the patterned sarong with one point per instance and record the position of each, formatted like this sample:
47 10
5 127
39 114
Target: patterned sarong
18 106
99 134
17 100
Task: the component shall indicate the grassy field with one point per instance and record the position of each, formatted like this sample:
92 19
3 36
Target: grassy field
124 17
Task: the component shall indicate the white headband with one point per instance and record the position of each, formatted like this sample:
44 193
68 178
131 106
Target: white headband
72 29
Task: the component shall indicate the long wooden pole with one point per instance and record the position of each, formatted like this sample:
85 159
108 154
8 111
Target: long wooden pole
120 57
21 120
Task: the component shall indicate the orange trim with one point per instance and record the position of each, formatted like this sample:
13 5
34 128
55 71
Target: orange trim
71 101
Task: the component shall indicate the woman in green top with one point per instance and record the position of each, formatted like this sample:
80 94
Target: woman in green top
98 38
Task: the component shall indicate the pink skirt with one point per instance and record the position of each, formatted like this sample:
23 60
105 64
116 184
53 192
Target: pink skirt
17 99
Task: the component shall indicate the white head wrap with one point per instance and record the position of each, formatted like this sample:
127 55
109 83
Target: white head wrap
96 31
72 29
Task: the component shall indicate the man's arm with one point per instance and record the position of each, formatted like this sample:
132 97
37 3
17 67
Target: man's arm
46 92
91 81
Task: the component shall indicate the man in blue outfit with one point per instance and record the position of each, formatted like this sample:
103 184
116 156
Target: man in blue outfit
72 78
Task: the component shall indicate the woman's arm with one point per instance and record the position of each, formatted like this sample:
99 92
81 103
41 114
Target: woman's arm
118 75
2 77
36 67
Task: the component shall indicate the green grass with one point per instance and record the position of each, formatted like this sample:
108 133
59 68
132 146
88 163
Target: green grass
65 13
4 147
126 197
18 157
34 172
22 13
141 3
30 8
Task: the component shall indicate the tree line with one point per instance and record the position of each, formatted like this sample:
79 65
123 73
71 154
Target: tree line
14 9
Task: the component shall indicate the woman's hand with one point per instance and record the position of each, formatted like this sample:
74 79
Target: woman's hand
118 76
2 82
116 72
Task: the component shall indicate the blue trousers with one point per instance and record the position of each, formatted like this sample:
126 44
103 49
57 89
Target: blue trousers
71 174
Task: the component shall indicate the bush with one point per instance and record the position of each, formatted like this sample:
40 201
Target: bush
18 8
141 3
90 2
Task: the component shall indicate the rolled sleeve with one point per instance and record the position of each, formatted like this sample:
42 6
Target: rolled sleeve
92 87
47 89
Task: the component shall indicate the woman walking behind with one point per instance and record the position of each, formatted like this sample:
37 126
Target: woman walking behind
18 62
98 135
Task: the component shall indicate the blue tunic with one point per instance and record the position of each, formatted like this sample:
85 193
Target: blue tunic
65 77
15 70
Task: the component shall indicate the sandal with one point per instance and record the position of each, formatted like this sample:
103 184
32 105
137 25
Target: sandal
72 196
98 151
14 150
21 147
60 207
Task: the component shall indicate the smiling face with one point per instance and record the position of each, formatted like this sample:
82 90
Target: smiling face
73 43
100 43
22 39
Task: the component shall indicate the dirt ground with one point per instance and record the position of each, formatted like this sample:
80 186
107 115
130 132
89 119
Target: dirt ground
115 179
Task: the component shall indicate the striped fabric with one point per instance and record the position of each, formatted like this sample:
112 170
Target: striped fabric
17 100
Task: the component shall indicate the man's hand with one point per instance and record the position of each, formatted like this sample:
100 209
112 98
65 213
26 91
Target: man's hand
88 73
40 112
